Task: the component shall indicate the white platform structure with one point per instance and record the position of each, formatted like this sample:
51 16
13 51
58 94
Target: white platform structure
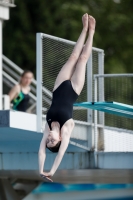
20 139
19 144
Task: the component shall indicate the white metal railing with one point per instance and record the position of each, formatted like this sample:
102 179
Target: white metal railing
19 71
96 60
114 139
11 75
39 70
103 98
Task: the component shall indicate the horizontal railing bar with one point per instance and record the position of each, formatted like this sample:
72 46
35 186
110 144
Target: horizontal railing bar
81 122
112 75
67 41
79 145
58 39
12 64
118 129
11 72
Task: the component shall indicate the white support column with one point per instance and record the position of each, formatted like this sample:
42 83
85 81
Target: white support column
95 113
4 15
95 125
89 99
101 82
101 115
1 82
39 80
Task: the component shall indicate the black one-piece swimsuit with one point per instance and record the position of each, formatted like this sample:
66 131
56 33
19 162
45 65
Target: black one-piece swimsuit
61 108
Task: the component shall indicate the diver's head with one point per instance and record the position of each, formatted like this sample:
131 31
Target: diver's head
54 137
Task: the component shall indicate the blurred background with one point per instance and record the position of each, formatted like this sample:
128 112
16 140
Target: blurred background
63 19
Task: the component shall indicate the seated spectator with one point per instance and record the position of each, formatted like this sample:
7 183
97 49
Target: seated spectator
19 94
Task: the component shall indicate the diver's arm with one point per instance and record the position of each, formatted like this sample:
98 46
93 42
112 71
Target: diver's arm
42 150
42 155
62 149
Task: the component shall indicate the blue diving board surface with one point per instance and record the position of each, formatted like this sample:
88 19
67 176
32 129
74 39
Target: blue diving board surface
116 108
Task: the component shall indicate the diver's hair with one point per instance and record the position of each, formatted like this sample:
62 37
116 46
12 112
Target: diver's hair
54 149
23 74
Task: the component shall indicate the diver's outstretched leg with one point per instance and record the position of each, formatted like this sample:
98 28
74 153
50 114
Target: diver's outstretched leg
68 68
78 77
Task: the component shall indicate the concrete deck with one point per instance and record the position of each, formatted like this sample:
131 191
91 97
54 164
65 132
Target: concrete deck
75 176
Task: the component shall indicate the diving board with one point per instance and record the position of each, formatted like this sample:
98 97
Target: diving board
116 108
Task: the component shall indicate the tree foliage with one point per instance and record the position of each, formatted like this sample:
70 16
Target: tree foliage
63 19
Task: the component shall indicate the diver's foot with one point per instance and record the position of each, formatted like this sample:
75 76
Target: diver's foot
85 21
91 23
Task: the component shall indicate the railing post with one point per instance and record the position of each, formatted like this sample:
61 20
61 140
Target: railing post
95 123
89 99
99 116
39 80
101 98
101 83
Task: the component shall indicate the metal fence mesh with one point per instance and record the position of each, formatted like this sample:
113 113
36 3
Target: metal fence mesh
119 89
55 53
118 132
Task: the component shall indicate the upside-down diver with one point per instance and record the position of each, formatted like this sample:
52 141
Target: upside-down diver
68 86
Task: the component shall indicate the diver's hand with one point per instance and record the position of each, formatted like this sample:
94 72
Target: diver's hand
47 175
